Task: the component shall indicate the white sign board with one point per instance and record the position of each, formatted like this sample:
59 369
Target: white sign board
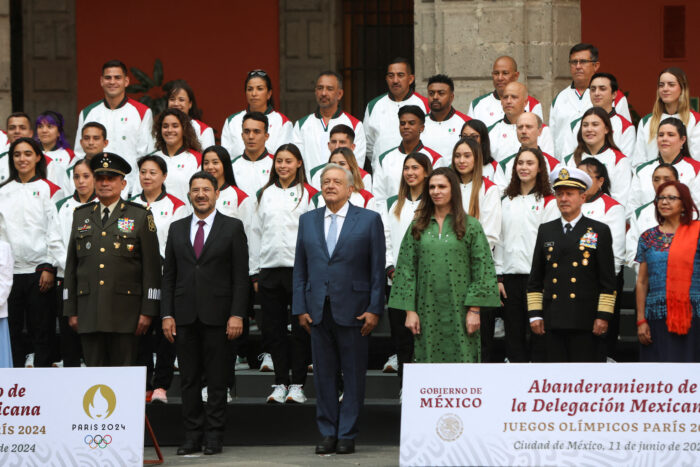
72 416
551 414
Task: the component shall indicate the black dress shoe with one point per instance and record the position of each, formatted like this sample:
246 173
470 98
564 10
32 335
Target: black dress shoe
345 446
214 443
327 445
213 448
188 447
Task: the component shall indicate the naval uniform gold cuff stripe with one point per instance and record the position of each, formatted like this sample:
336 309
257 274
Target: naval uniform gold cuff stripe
606 303
534 301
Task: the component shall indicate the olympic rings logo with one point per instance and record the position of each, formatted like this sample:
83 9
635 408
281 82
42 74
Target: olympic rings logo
98 441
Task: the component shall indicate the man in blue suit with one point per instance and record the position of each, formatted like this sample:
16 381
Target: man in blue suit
338 297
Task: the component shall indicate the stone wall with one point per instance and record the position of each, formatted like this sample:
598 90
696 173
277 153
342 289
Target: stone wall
5 78
462 38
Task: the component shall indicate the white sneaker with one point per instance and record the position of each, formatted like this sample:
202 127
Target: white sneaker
279 394
499 329
176 365
29 362
340 397
57 364
229 397
310 368
391 365
266 365
242 363
205 394
296 394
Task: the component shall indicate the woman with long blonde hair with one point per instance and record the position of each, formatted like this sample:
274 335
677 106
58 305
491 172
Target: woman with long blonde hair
672 100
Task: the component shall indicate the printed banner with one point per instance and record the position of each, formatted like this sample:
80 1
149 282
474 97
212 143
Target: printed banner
72 416
551 414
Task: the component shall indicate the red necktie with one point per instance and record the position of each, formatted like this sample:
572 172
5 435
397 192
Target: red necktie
199 239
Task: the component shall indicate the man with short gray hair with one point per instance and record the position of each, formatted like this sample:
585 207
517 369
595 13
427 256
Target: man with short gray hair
338 297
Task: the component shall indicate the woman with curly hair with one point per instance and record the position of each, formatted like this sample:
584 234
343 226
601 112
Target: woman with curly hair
177 143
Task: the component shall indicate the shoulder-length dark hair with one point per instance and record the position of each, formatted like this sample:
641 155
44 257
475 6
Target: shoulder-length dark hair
689 210
189 136
262 74
404 189
609 142
274 176
39 170
55 119
542 186
426 208
225 159
682 132
601 172
484 141
173 87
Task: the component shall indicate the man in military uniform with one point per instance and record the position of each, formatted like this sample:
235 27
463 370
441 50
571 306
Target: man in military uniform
112 282
571 291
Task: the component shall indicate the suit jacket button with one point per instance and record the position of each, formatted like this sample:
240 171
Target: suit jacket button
554 296
575 264
102 250
104 234
573 295
102 266
554 265
573 279
554 281
102 282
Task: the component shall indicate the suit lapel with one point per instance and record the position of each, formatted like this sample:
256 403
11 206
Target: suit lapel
215 228
348 225
320 228
185 232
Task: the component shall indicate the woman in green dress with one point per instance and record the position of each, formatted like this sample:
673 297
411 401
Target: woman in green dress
444 275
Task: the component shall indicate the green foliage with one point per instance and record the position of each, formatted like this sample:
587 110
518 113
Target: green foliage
151 88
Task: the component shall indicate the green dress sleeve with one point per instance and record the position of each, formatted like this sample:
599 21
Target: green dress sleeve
403 291
482 290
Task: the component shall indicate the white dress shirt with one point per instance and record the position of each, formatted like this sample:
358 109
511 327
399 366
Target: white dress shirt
573 222
194 226
342 213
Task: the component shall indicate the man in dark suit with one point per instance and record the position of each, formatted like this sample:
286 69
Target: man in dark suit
571 291
338 296
111 289
205 297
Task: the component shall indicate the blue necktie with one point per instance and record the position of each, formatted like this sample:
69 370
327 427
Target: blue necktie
332 237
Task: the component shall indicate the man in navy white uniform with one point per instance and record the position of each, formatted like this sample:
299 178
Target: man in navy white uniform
338 297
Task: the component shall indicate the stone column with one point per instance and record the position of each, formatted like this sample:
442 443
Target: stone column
462 38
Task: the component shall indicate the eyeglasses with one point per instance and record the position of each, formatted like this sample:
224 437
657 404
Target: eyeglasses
580 62
257 72
670 198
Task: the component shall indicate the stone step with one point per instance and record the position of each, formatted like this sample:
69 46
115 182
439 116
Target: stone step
251 422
